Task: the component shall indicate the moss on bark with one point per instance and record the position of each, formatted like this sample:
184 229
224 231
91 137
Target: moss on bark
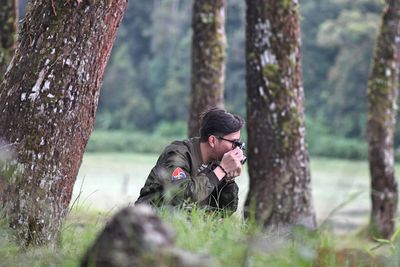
8 32
382 98
208 59
48 102
278 157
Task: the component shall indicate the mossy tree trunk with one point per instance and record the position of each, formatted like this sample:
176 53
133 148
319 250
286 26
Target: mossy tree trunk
382 96
280 183
8 32
48 103
208 59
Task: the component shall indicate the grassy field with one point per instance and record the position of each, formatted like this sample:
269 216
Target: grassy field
109 181
229 242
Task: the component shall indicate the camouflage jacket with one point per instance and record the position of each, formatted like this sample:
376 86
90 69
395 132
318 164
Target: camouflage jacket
180 178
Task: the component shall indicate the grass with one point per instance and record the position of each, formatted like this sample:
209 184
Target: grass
229 241
110 180
78 232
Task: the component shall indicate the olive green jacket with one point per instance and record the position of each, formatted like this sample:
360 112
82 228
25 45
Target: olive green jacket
180 178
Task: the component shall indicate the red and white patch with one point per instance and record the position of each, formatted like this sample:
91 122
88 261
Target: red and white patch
178 174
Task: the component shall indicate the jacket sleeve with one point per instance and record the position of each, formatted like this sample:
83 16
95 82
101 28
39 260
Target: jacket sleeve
173 173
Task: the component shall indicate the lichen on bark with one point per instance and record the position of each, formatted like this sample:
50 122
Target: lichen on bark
280 189
208 59
382 98
8 33
48 102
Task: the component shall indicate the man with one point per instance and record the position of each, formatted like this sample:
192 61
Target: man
202 169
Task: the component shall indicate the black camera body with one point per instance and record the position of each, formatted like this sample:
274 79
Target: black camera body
242 146
239 144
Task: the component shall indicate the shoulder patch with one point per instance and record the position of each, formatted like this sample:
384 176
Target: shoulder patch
178 174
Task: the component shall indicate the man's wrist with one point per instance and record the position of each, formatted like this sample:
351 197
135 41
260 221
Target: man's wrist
220 172
223 169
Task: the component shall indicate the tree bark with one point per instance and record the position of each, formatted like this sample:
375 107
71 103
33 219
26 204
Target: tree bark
208 59
280 182
48 103
8 32
382 97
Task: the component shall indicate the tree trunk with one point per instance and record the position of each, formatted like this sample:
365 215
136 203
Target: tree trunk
280 183
48 100
208 59
8 32
382 97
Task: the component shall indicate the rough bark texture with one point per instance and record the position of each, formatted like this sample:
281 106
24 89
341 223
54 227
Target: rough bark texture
382 97
208 59
8 32
279 172
136 236
48 103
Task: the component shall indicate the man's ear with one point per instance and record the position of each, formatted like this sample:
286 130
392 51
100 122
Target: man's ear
212 140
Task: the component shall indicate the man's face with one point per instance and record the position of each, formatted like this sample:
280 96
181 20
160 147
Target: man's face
226 144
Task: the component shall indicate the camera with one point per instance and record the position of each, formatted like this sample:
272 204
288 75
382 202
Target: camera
242 146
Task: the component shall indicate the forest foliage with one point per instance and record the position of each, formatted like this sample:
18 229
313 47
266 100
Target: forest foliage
147 81
148 78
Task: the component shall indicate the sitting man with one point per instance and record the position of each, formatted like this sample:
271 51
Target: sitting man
202 169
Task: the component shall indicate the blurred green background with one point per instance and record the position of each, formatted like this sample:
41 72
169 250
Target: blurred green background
147 83
146 89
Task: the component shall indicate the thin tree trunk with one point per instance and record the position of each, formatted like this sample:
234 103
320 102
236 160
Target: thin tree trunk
8 32
382 97
48 104
280 182
208 59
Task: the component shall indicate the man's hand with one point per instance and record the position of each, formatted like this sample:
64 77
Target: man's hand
231 163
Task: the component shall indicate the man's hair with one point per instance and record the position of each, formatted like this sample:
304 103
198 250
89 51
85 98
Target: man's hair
216 121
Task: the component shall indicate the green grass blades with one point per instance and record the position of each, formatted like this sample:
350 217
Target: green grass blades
78 232
231 241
